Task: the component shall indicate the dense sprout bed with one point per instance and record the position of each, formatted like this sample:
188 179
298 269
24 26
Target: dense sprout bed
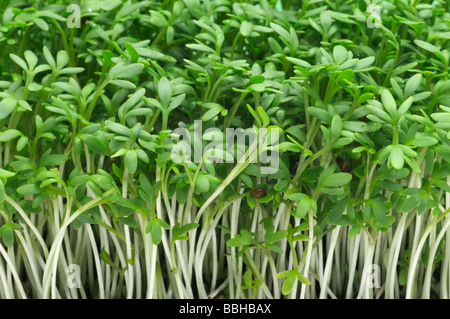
117 179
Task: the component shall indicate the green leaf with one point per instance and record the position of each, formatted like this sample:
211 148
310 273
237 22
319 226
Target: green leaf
424 141
336 127
300 237
284 274
338 179
444 151
62 59
170 34
441 117
332 190
70 70
29 189
239 241
95 144
6 107
389 103
5 173
34 87
339 54
182 192
9 135
200 47
265 119
118 128
277 236
52 159
396 157
158 19
302 279
2 192
48 56
389 173
380 212
156 232
426 46
19 61
31 59
322 115
296 196
255 116
155 227
288 283
7 235
124 84
354 126
120 71
164 91
337 211
411 202
354 231
188 227
131 161
210 114
405 106
296 61
275 248
21 143
281 31
84 218
246 28
391 186
303 207
380 114
133 54
412 84
107 259
202 183
259 87
127 221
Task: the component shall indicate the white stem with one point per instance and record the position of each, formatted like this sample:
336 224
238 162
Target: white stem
414 260
352 266
329 263
31 257
54 252
369 250
7 291
427 281
13 270
29 224
101 285
308 253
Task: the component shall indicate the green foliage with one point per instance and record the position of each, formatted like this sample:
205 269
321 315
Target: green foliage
112 148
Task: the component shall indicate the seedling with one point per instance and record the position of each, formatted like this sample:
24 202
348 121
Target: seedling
347 169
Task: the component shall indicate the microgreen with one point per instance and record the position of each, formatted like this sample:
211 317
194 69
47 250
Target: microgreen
256 149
